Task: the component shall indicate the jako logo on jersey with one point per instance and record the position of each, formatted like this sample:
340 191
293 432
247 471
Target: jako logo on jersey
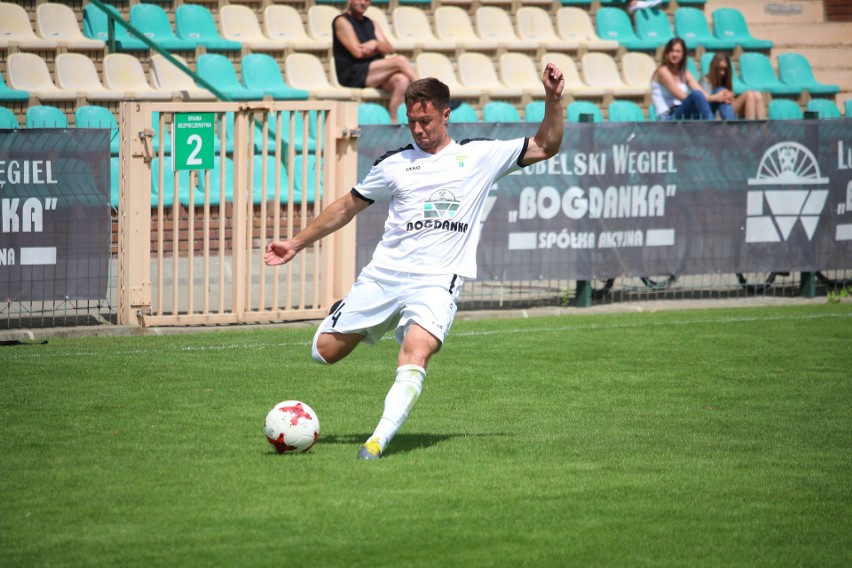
794 190
412 168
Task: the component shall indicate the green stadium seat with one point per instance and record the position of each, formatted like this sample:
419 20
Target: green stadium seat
691 25
90 116
625 111
217 70
155 141
114 166
11 95
8 121
825 107
258 196
45 116
307 188
462 113
260 72
373 113
757 73
500 111
96 26
576 2
614 24
534 111
795 70
153 22
653 25
729 24
848 108
578 108
195 23
784 109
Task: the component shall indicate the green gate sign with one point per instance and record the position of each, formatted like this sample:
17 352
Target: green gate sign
193 140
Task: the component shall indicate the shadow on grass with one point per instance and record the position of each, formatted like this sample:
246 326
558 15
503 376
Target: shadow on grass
402 443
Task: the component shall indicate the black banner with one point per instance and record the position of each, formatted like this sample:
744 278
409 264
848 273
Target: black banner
54 214
658 198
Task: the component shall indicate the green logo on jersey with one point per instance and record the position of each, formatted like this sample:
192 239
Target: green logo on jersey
441 205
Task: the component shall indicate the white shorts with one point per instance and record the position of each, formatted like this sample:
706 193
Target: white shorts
381 300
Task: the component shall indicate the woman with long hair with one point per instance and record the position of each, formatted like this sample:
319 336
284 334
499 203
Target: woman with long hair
675 92
719 79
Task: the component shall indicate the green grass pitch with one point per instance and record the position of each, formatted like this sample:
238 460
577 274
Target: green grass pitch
681 438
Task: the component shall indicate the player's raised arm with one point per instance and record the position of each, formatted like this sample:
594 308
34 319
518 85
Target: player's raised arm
333 217
545 144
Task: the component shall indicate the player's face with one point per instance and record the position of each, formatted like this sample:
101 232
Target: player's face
428 126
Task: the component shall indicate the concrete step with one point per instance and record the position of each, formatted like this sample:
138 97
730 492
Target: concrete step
785 12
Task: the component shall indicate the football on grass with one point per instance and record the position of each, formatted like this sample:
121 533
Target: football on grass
292 426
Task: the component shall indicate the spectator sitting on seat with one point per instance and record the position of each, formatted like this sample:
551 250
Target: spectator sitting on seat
360 49
675 92
719 80
633 5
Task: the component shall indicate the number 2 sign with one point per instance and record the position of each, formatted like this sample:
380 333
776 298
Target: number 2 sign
193 140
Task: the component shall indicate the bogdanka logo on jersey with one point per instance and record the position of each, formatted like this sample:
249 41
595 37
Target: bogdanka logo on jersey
788 188
437 211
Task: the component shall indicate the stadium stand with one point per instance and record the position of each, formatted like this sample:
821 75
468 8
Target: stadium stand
453 24
601 70
463 113
757 73
784 109
736 82
637 68
92 116
575 24
578 108
17 31
195 23
575 86
614 24
847 111
380 19
8 120
500 111
319 23
218 70
625 111
260 72
535 24
168 185
438 65
305 71
519 70
825 108
730 25
58 22
534 111
495 24
653 25
239 23
373 113
283 23
411 24
76 72
794 70
8 95
167 77
45 116
477 71
29 72
124 72
154 23
691 25
96 26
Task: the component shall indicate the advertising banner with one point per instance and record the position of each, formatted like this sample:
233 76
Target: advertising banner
678 198
54 214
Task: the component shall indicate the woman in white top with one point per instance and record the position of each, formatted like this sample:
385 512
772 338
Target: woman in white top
675 92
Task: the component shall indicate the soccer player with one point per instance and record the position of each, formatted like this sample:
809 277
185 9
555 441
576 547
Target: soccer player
437 189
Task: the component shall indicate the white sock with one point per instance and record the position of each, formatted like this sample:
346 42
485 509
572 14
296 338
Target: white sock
401 398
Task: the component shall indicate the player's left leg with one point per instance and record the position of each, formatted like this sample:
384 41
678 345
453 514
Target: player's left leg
426 319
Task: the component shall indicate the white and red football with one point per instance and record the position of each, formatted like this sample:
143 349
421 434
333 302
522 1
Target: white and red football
292 426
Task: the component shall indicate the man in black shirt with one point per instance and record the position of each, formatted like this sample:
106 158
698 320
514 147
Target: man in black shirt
360 49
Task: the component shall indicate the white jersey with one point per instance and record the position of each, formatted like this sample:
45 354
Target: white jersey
436 203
